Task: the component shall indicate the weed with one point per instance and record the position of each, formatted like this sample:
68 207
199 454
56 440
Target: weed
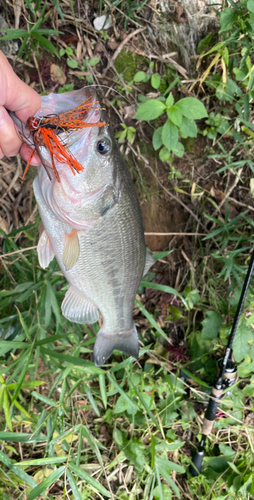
181 118
34 36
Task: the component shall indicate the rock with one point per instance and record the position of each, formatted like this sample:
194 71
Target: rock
102 22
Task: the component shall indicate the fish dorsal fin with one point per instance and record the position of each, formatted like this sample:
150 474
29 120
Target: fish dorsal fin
150 261
45 250
77 308
106 343
71 249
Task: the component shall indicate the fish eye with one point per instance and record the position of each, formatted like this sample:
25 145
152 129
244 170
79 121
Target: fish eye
104 146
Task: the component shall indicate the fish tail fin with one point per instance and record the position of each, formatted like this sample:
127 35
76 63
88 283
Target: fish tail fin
105 344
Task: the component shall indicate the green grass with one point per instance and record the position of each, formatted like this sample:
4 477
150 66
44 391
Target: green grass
128 430
124 431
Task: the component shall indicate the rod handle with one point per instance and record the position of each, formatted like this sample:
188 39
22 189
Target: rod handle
197 463
210 413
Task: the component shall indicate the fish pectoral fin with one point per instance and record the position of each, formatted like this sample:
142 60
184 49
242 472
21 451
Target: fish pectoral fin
45 250
77 308
105 344
71 249
150 261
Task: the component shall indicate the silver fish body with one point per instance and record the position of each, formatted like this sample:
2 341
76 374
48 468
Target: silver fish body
93 226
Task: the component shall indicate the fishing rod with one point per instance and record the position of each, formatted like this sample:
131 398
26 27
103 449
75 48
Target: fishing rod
227 376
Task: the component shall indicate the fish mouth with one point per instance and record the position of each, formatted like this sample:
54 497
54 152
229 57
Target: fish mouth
59 103
54 104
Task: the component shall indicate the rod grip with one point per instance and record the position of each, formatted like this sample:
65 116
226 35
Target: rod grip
210 413
197 463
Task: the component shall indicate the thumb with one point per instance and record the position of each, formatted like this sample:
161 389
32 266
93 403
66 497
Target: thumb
16 95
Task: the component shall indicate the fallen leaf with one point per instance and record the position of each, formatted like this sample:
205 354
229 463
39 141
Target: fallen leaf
57 74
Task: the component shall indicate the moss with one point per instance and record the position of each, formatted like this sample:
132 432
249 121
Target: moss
128 64
189 143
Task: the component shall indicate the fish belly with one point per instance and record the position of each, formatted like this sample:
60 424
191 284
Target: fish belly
108 270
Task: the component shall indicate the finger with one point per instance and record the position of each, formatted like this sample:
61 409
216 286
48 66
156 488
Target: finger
26 151
9 141
16 95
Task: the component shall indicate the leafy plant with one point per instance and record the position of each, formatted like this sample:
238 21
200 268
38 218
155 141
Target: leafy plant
216 124
128 133
33 37
180 121
155 78
73 63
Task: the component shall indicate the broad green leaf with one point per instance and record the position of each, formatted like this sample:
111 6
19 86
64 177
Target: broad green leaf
192 108
227 19
94 61
250 6
166 493
165 155
44 485
135 452
155 80
211 325
188 128
157 139
178 150
169 135
175 115
243 342
170 100
89 479
121 391
150 110
122 405
139 76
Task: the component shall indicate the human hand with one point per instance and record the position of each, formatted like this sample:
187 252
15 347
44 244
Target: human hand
15 96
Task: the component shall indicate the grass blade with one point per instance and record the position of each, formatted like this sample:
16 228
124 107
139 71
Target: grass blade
74 486
89 479
16 470
90 367
44 485
103 390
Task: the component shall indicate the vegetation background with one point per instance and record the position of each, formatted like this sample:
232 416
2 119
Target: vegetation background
177 80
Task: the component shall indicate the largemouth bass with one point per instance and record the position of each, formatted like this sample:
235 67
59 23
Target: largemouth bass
93 226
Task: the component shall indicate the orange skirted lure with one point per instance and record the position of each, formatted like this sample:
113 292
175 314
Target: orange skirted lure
46 130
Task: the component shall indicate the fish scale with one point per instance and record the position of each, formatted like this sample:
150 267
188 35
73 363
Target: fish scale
93 226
